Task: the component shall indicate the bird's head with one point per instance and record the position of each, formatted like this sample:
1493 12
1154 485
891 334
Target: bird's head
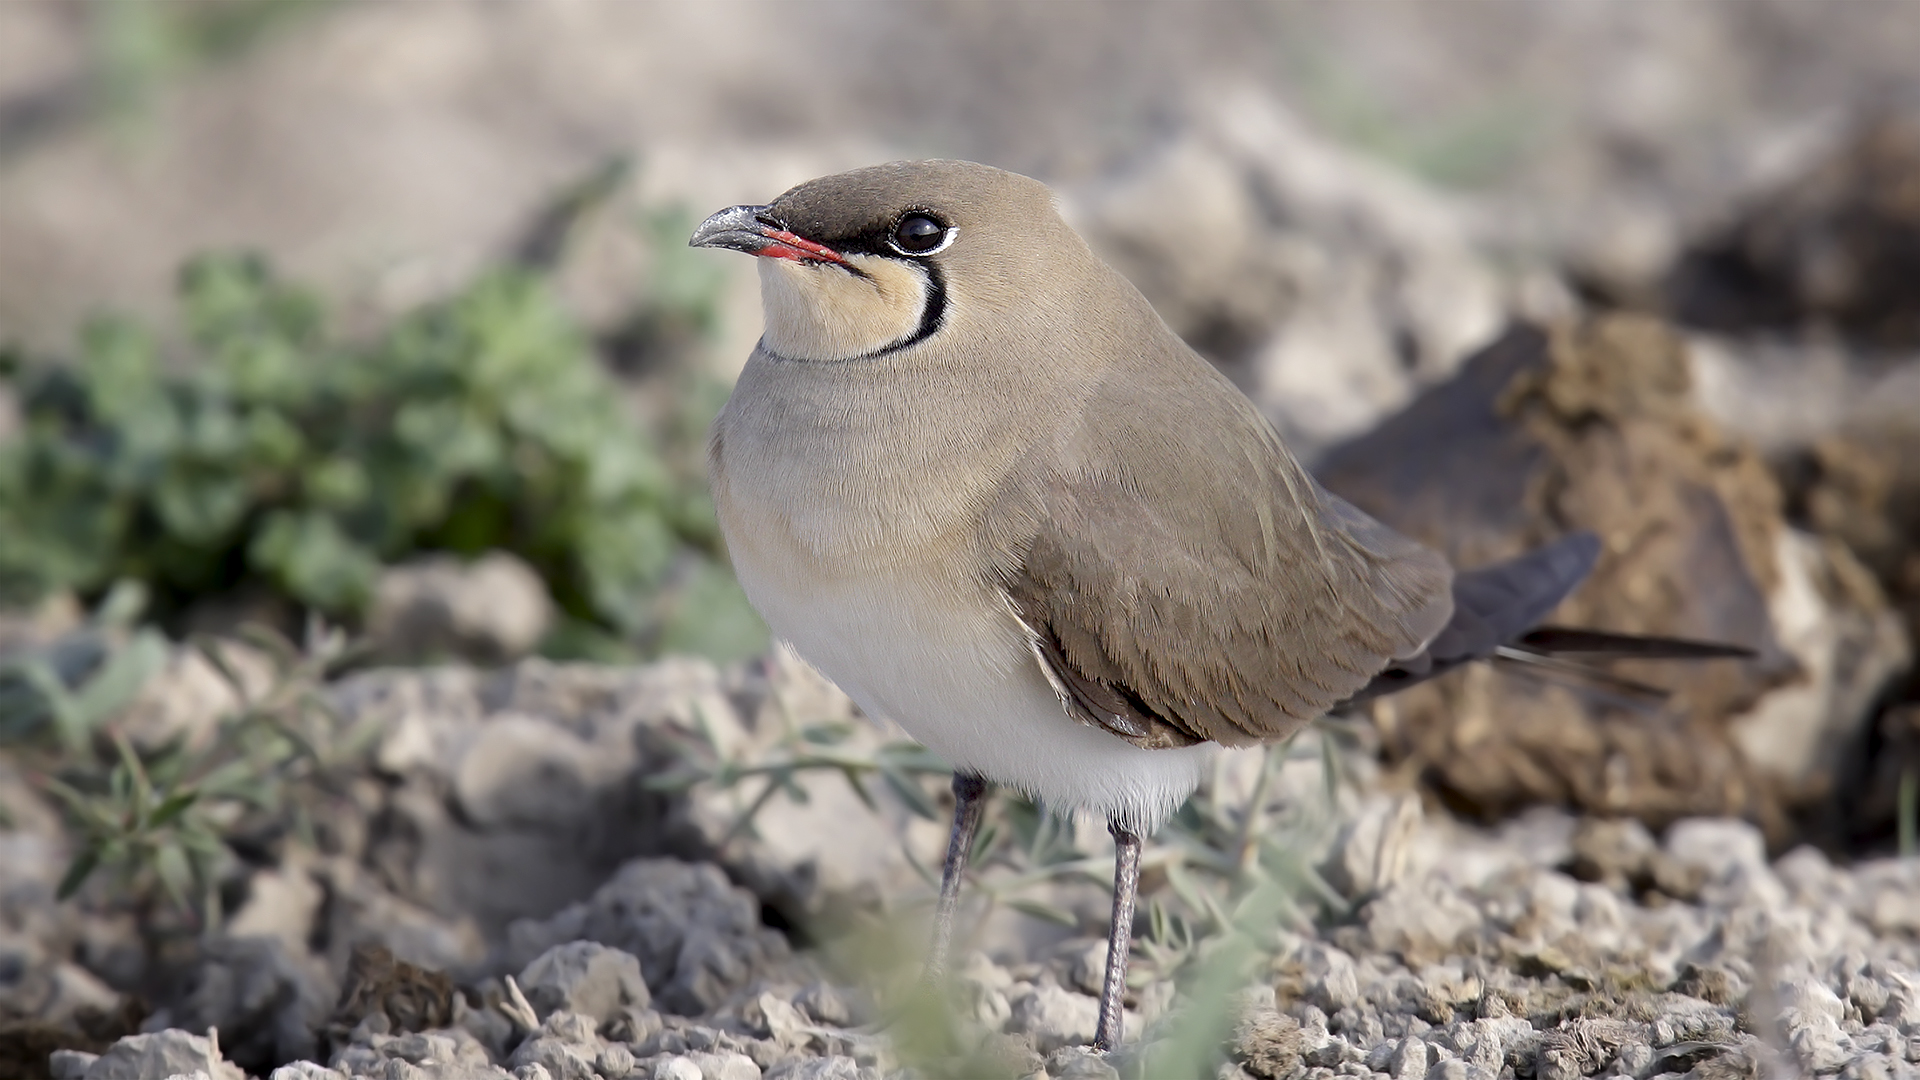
879 260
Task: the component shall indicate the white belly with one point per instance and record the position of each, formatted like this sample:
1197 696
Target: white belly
948 664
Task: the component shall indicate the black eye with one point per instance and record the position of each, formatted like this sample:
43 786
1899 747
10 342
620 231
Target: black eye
918 233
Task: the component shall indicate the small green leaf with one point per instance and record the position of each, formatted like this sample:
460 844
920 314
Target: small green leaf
315 561
171 808
911 793
170 865
82 868
215 654
140 791
1044 912
120 680
202 843
859 787
985 842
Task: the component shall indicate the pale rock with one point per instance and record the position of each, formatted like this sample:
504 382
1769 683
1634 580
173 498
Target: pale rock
1719 846
1811 1013
188 696
1080 1063
1848 651
1601 915
820 1068
162 1053
1409 1059
697 937
1634 1058
1085 964
779 1019
823 1003
525 771
806 855
282 903
562 1059
677 1067
614 1061
584 977
1330 288
1820 1045
54 993
306 1070
1335 984
1420 918
70 1064
491 610
1056 1017
1877 1067
985 986
1733 856
421 1047
725 1066
1375 849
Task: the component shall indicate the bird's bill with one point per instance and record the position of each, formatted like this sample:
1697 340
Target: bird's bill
753 230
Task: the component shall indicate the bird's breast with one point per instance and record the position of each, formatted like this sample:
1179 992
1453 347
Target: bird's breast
860 521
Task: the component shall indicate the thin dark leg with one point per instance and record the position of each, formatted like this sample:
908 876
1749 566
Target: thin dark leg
969 800
1126 879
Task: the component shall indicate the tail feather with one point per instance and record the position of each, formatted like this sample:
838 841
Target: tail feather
1568 641
1497 611
1495 604
1582 677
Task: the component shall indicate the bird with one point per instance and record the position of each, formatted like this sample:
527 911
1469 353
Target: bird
971 476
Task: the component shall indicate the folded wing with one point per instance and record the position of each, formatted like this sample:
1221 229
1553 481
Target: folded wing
1169 618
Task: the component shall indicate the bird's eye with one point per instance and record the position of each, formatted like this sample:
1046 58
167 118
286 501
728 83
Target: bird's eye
917 234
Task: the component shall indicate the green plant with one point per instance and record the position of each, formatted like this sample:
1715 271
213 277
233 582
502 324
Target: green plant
139 46
809 746
1235 873
161 821
160 818
275 453
68 687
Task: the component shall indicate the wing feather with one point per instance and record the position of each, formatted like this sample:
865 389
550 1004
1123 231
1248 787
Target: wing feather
1200 585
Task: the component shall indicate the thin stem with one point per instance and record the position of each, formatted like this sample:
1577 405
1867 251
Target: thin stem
1243 844
1909 811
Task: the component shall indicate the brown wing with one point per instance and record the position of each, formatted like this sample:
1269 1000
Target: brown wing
1198 584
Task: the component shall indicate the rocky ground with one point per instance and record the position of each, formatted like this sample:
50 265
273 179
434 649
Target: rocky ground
1677 308
1551 946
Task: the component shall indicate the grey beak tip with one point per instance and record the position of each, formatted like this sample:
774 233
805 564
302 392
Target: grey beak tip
729 228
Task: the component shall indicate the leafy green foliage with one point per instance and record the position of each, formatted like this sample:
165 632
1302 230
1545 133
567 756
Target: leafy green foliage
276 454
804 747
72 685
160 819
161 822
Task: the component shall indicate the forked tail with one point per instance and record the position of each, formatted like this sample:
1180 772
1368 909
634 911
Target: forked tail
1496 615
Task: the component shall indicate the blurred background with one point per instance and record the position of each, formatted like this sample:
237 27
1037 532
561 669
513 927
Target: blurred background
382 314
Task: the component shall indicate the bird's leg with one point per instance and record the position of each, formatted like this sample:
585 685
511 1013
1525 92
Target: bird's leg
969 800
1126 879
